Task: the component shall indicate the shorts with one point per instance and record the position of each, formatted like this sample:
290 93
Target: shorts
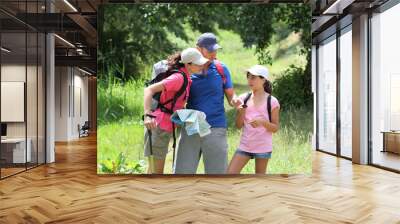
160 142
256 155
213 148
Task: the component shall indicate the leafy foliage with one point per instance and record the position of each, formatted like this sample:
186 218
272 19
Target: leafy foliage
139 37
289 89
121 166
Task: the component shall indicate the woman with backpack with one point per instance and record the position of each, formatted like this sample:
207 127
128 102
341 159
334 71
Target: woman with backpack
172 91
258 117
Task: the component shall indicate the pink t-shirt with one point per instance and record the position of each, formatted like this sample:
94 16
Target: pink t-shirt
256 140
172 84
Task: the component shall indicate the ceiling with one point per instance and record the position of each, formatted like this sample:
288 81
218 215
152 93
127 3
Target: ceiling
335 14
74 22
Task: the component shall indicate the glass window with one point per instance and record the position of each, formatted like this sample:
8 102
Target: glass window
22 91
346 92
31 96
385 87
41 98
327 95
14 148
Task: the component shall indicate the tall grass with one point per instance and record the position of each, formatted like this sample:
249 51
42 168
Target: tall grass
119 101
291 153
120 130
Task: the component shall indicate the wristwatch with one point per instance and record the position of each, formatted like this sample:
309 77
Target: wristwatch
148 115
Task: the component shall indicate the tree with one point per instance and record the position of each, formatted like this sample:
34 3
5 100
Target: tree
132 36
297 18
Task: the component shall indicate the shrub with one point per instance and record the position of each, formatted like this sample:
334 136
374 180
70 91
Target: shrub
293 88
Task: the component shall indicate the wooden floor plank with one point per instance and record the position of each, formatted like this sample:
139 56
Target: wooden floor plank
70 191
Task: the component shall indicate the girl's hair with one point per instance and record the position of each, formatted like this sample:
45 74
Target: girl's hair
173 61
268 86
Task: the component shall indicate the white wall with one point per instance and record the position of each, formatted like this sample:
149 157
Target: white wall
80 88
33 126
13 72
16 73
13 101
70 83
62 81
10 73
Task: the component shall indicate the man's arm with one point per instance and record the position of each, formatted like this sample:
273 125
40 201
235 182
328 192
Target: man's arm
233 100
229 94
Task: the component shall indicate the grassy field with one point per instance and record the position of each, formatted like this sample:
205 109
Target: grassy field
120 132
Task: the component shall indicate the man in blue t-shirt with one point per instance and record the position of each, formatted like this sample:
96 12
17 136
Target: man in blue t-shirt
207 95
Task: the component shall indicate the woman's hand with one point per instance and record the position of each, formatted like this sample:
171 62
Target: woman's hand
150 123
255 123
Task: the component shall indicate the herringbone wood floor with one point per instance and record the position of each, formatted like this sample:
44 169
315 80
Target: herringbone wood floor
69 191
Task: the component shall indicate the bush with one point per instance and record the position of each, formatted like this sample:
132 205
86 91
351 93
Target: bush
293 88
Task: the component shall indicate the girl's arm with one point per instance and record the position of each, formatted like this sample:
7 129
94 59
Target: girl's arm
240 117
148 96
273 126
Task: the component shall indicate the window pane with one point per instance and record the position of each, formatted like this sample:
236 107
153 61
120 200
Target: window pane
41 98
14 150
31 97
386 88
346 93
327 96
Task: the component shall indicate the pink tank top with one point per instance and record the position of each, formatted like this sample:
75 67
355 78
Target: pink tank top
256 140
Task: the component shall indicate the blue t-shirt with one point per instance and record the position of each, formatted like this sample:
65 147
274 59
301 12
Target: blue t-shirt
207 95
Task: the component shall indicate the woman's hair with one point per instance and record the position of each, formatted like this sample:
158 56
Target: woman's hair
173 61
268 86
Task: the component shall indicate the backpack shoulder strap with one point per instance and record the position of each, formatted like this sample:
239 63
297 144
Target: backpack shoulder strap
269 107
183 87
247 98
177 95
220 69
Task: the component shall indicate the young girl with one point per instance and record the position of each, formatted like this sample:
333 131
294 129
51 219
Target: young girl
188 62
257 126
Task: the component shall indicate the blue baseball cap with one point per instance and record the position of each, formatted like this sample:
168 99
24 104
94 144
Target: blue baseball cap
208 41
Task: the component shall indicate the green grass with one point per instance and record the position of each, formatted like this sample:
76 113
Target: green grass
120 132
115 138
291 154
119 102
